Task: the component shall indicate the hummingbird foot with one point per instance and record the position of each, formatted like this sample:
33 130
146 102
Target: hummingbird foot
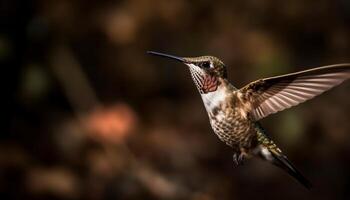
238 159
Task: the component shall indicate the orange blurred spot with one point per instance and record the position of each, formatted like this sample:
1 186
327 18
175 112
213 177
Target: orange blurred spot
111 124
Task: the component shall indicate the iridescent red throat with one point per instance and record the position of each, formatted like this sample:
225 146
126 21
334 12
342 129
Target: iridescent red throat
210 84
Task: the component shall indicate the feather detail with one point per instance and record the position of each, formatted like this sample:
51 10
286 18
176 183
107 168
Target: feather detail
270 95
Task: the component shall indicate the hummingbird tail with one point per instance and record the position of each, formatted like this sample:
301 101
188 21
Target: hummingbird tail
269 151
282 161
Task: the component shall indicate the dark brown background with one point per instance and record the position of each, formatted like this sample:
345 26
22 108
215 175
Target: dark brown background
88 115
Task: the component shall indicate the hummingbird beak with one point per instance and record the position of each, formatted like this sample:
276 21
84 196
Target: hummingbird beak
167 56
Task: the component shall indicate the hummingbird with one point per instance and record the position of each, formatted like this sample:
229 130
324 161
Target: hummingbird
234 113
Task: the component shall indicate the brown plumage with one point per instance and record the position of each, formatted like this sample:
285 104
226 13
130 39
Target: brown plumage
277 93
234 113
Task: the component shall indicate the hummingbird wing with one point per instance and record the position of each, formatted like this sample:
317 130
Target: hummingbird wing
270 95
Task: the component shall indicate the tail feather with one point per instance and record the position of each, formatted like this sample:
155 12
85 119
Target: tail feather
269 151
282 162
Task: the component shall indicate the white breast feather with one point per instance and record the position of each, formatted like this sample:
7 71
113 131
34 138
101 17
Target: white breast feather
213 99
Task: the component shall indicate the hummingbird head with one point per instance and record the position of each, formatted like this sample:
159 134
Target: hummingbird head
207 71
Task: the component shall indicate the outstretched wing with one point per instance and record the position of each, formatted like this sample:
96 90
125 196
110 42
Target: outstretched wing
270 95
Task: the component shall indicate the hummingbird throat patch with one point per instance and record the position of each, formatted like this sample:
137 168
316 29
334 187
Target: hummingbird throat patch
210 84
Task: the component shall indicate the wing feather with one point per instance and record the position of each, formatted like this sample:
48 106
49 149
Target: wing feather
270 95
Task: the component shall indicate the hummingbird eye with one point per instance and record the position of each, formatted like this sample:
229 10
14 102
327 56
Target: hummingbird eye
205 65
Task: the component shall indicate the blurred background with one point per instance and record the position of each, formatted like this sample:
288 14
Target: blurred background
88 115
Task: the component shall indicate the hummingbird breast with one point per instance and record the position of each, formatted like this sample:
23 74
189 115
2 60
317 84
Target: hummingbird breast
228 119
